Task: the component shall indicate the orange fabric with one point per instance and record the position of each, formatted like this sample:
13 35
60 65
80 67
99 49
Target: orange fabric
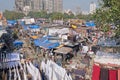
118 74
34 37
0 16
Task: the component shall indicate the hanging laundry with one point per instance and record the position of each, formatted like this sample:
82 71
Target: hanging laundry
54 76
18 73
3 75
36 71
15 75
25 73
112 74
43 66
31 72
47 66
10 74
104 74
96 72
50 72
69 77
118 74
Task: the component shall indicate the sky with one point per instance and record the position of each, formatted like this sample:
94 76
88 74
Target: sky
67 4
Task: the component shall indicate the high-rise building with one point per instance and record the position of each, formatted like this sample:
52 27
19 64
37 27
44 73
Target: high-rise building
19 5
53 6
92 7
58 5
49 6
33 5
38 5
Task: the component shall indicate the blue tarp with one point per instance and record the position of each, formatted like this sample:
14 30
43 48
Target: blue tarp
11 22
15 43
51 45
22 22
25 27
90 24
34 26
45 43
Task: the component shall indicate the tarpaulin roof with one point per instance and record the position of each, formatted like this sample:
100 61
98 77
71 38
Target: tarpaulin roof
22 22
25 27
34 26
17 42
90 24
11 22
45 43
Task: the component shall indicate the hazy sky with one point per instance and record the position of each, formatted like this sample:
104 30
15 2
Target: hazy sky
67 4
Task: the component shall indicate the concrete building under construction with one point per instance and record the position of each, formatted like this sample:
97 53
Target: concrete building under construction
39 5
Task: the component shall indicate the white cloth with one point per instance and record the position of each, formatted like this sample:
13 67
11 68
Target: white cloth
36 71
18 73
90 52
33 74
24 73
85 49
15 75
10 74
55 72
43 66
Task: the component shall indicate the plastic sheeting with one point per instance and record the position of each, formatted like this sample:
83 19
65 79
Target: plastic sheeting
90 24
11 22
31 27
53 31
45 43
34 26
17 42
25 27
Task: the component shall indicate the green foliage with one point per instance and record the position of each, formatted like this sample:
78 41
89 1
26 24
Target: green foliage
56 16
41 14
12 15
84 17
108 13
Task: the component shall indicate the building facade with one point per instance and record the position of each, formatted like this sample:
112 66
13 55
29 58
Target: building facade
92 7
58 5
39 5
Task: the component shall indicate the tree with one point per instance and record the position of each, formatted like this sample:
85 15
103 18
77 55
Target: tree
12 15
40 14
56 16
84 17
108 13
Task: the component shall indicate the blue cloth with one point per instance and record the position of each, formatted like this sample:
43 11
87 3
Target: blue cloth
17 43
90 24
34 26
11 22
